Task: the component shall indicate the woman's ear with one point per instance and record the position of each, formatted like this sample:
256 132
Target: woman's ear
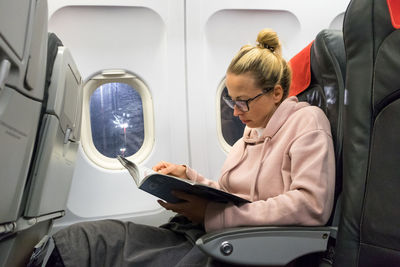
277 94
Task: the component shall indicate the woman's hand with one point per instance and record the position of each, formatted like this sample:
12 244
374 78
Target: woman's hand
164 167
193 208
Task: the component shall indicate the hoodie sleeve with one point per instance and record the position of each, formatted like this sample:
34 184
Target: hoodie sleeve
198 178
308 201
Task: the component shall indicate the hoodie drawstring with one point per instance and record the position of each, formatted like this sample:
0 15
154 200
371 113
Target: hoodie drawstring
254 183
225 174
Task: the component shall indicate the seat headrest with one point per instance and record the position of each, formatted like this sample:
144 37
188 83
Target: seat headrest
319 70
326 67
301 72
328 56
394 10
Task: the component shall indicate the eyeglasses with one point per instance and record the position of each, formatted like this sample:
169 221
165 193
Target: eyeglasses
243 105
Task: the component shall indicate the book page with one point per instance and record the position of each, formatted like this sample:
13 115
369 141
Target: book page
138 173
144 171
132 168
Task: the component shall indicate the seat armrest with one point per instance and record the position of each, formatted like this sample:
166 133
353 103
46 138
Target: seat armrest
264 245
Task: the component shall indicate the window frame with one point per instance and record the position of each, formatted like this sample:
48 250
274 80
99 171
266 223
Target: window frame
116 76
225 145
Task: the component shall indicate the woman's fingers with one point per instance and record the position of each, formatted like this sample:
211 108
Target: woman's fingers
164 167
183 195
176 207
168 169
159 166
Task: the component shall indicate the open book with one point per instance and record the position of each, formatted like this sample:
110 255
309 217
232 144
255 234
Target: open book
161 185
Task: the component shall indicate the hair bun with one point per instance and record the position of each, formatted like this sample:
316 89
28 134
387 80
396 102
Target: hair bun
268 39
266 46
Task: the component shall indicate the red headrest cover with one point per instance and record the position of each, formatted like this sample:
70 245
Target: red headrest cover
301 71
394 10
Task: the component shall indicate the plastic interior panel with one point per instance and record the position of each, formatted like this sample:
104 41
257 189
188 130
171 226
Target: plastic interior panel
23 37
265 245
13 24
65 94
17 135
53 171
5 67
76 134
36 68
72 96
337 22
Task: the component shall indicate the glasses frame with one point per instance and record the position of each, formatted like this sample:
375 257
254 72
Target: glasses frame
232 103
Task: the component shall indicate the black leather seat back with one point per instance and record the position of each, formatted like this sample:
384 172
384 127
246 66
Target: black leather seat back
326 90
369 232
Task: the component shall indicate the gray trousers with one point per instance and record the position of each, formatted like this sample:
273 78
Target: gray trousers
112 243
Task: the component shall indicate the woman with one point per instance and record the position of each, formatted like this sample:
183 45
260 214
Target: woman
284 164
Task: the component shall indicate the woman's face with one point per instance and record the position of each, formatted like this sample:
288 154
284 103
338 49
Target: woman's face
243 87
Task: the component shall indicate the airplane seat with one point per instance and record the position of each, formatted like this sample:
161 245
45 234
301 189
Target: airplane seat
318 75
60 133
39 130
369 226
52 170
326 76
23 43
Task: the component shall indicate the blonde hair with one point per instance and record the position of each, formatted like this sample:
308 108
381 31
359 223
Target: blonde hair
264 61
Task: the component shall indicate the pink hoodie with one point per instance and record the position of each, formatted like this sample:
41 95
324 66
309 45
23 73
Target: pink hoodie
288 173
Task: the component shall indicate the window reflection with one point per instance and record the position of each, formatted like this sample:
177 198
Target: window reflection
232 127
116 116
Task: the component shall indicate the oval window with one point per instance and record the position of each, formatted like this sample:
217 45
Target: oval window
231 128
117 118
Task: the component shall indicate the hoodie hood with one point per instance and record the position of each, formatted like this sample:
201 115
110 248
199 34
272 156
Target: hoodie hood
288 172
250 136
283 112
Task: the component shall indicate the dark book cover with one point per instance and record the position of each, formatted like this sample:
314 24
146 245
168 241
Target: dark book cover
161 186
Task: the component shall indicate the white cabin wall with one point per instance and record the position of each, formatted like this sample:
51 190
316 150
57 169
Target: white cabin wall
181 49
146 38
215 32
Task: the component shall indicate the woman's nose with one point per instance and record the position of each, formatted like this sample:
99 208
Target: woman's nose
236 111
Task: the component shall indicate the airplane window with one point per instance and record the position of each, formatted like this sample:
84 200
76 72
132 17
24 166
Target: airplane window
116 116
231 126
